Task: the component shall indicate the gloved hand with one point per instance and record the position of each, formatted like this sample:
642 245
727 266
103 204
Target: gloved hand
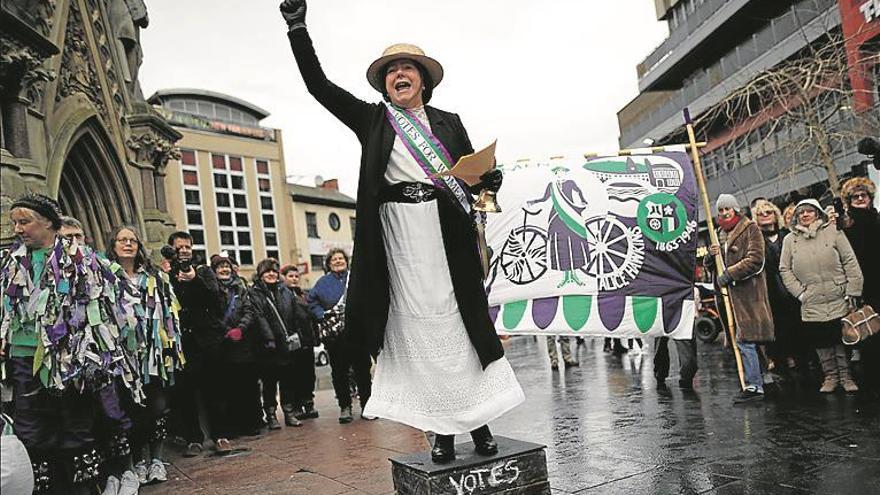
234 334
294 13
269 345
491 180
725 279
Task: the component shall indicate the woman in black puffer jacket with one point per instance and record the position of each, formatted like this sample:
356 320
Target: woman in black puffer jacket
283 330
238 350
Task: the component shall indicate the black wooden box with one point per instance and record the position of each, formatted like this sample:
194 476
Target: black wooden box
518 468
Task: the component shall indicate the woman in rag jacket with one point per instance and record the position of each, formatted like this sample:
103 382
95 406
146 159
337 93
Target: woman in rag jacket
156 343
415 291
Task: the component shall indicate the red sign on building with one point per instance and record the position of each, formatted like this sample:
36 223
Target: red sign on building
860 20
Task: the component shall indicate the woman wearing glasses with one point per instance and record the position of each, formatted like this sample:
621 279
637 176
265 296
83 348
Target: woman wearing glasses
155 342
863 233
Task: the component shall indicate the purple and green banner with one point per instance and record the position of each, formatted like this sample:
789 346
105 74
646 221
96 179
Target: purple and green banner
600 247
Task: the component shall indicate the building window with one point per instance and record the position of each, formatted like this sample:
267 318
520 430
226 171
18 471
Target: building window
241 220
197 235
237 182
219 161
193 217
188 157
221 181
266 202
265 185
190 178
244 238
352 221
246 257
192 197
317 262
224 218
240 201
271 239
272 253
235 163
222 199
334 222
227 238
312 225
268 221
262 167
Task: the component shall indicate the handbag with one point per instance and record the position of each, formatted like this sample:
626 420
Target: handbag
859 325
332 325
293 340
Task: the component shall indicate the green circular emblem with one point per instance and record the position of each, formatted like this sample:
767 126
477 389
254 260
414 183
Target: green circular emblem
662 217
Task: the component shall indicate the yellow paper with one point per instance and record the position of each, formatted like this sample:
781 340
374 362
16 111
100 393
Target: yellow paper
470 167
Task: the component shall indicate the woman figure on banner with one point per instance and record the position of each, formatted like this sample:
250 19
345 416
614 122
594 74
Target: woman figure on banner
566 230
415 290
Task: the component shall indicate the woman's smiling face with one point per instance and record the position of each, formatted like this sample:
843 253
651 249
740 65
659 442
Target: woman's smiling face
403 83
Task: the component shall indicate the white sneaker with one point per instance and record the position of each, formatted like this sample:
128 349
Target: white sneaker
129 484
112 487
140 470
157 472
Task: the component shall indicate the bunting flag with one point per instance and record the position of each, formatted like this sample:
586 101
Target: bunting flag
600 247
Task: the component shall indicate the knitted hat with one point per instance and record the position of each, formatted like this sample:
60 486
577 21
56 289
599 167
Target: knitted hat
222 257
727 201
42 204
857 184
268 264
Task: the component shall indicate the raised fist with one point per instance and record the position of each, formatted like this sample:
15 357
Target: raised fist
294 13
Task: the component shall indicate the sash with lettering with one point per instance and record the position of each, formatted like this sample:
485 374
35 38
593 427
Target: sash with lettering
428 152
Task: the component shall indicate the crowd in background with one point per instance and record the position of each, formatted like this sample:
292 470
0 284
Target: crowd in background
111 354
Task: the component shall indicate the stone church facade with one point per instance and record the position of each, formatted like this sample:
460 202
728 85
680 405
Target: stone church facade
74 123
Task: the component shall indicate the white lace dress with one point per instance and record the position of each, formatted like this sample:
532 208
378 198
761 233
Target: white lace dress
428 374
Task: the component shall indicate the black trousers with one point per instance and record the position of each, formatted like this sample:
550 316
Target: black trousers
149 419
303 387
243 391
185 420
56 428
687 358
278 380
344 357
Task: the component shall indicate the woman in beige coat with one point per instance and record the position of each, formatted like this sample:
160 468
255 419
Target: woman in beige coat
818 267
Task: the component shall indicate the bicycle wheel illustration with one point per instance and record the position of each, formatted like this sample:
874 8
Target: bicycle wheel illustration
523 257
611 245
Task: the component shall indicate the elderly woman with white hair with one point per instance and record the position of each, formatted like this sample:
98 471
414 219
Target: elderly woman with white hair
818 267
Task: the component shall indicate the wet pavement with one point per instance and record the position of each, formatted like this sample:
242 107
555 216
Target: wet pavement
607 427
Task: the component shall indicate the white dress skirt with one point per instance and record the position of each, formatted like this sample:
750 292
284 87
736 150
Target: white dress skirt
428 374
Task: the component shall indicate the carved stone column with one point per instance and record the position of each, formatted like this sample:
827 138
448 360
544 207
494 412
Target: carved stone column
150 146
24 47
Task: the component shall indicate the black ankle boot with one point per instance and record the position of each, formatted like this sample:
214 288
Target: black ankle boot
444 449
484 443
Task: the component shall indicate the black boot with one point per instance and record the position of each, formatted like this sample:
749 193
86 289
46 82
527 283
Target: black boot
444 449
271 420
289 417
308 411
484 443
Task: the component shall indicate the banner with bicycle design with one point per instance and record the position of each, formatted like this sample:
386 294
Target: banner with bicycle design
601 247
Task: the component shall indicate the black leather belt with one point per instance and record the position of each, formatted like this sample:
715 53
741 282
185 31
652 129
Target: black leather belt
407 192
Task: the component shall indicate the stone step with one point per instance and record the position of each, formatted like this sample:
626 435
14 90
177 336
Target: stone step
518 468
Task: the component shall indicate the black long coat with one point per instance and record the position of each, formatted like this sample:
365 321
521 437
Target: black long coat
368 292
294 319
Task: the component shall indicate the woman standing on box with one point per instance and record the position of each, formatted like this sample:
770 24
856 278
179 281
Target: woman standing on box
415 290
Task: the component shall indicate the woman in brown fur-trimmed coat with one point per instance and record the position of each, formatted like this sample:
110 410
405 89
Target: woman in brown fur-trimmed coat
741 245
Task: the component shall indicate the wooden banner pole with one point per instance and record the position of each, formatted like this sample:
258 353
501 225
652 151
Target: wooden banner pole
713 239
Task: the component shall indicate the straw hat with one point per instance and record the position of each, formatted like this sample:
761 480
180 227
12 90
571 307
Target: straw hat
398 51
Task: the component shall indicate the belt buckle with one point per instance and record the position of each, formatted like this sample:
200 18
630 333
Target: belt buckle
417 192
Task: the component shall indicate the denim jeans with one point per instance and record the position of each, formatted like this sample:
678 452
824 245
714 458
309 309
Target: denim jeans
751 366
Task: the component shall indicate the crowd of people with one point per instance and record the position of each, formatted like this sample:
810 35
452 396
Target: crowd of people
109 353
792 278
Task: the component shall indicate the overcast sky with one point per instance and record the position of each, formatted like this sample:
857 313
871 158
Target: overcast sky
544 78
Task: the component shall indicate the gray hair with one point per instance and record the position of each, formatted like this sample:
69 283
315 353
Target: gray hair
71 222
